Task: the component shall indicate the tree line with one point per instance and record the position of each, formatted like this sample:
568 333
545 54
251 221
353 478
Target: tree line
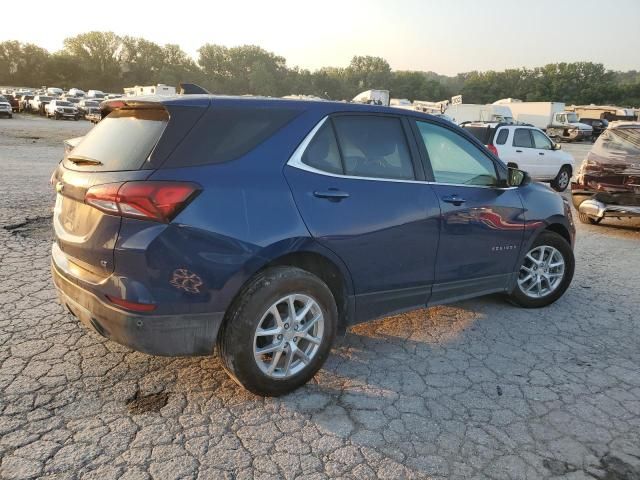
109 62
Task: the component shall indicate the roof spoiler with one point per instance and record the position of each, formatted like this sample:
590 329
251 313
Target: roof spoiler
192 89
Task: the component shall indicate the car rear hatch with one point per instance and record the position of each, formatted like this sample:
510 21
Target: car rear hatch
126 146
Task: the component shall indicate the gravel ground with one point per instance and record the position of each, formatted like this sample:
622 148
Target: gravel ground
479 389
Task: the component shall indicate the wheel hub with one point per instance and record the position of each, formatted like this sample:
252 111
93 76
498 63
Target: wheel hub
541 272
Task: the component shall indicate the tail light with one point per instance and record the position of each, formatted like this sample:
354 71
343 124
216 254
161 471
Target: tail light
156 201
493 149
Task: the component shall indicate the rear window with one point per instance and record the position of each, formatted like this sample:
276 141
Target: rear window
121 141
484 134
227 133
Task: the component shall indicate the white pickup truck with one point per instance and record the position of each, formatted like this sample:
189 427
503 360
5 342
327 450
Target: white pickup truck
61 109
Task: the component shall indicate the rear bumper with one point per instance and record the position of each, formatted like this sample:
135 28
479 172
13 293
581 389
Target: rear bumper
167 335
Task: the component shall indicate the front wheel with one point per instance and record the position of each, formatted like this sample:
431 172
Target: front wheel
279 331
561 182
545 273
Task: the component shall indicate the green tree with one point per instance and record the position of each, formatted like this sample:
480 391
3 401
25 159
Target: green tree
99 54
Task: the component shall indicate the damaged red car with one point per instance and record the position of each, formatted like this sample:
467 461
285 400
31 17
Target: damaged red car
607 183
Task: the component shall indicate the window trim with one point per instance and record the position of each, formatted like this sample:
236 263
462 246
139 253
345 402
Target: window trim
295 160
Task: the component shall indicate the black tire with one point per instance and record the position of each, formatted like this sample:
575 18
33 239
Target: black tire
554 240
562 180
584 218
236 337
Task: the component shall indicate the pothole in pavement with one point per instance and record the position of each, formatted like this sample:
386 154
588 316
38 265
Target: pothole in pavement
38 228
147 403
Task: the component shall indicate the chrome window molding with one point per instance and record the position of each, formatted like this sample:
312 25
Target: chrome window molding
296 161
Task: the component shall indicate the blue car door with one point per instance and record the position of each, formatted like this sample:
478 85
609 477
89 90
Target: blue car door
359 185
482 220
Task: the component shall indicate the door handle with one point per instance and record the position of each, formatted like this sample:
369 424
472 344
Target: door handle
332 194
518 151
456 200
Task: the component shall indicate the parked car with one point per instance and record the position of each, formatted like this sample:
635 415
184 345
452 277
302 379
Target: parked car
96 94
265 226
54 91
76 92
39 103
25 103
5 107
87 106
61 109
598 125
607 183
14 101
528 148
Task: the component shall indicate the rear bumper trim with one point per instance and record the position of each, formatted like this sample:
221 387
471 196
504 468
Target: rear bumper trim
167 335
595 208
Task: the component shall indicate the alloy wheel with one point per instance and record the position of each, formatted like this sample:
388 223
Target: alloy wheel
541 272
563 179
288 336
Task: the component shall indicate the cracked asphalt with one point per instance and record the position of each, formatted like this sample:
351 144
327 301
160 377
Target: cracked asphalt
479 389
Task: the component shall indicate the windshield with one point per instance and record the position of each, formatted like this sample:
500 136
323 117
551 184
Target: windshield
572 118
45 99
63 104
90 104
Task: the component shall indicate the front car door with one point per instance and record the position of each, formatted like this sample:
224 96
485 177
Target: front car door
360 187
482 223
548 162
526 156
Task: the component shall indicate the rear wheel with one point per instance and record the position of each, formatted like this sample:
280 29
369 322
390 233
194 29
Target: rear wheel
545 273
279 332
561 182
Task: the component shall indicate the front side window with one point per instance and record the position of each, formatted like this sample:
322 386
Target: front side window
454 159
540 140
522 138
374 146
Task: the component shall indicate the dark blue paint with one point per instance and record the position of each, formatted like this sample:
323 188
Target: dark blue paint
397 245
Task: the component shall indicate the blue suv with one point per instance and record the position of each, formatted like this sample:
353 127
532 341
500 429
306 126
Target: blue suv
266 226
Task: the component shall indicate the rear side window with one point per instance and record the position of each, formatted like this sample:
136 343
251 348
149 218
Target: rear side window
483 134
501 139
322 153
522 138
227 133
374 146
121 141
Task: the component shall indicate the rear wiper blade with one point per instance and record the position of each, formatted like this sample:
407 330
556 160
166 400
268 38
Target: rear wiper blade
81 160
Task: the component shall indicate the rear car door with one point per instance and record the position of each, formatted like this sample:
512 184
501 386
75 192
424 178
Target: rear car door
482 223
360 188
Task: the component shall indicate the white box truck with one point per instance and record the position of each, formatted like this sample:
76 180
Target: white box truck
472 112
551 117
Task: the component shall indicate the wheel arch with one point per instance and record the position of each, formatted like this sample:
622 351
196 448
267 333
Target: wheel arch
560 229
311 257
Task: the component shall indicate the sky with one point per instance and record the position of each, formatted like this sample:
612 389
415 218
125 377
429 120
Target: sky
445 36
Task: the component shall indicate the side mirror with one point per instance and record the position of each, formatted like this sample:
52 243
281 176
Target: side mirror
517 178
556 146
